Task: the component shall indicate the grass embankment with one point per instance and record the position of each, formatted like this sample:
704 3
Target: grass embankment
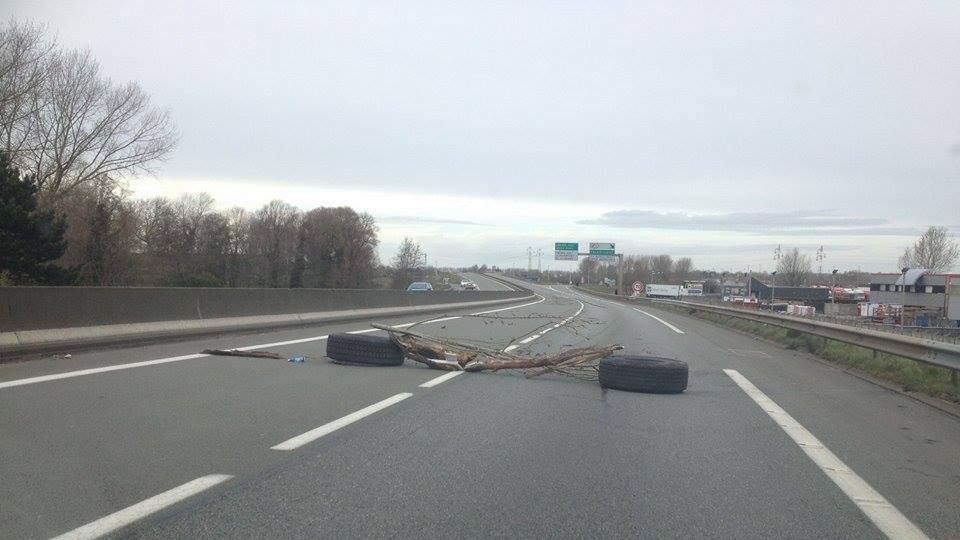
597 288
453 281
912 376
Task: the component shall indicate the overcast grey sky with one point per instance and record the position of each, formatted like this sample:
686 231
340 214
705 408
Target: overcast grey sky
715 130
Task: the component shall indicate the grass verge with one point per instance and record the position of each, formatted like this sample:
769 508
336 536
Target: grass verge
597 288
910 375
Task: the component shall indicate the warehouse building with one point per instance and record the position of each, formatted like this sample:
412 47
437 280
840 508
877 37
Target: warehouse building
754 288
922 290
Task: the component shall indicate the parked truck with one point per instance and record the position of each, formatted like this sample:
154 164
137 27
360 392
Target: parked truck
663 291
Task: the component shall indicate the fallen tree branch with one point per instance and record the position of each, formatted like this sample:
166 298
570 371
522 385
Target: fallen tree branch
449 355
238 352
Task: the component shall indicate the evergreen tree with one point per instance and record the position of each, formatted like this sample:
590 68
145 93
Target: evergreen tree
29 238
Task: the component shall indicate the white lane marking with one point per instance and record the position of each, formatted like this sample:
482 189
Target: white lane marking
444 319
91 371
668 325
883 514
542 298
330 427
142 509
540 333
116 367
443 378
279 343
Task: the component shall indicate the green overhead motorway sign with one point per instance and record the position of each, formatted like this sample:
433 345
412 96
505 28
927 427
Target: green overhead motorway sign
566 251
603 251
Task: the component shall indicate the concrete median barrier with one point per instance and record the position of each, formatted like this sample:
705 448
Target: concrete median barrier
44 319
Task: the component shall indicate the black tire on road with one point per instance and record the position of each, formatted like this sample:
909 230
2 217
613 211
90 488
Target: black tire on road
363 349
647 374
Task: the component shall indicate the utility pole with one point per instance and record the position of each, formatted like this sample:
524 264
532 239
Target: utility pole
903 296
773 290
620 274
529 260
833 290
539 261
820 258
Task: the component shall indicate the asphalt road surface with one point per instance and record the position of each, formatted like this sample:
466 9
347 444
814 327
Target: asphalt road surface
485 283
184 448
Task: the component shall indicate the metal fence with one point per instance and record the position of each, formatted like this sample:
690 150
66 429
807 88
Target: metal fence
948 334
928 351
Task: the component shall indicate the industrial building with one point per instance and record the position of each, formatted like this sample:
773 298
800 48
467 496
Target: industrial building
754 288
924 293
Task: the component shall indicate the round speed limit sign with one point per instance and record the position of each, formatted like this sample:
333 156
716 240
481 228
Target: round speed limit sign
638 287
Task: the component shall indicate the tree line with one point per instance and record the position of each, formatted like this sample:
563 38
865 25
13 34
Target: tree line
71 140
661 268
107 239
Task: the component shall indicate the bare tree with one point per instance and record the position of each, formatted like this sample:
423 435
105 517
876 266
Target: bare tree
636 268
273 241
662 268
682 268
336 248
409 258
101 236
238 224
934 250
213 245
24 51
588 269
794 268
83 127
157 236
189 211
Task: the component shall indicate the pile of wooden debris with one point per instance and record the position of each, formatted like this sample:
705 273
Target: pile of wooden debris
450 355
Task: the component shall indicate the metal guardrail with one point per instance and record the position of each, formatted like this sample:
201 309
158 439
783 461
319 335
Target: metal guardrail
927 351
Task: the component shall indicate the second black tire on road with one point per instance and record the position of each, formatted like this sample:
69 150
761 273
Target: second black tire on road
649 374
363 349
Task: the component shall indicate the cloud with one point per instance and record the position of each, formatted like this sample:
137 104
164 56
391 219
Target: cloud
797 222
426 220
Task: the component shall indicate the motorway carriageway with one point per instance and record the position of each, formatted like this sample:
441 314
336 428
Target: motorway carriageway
765 443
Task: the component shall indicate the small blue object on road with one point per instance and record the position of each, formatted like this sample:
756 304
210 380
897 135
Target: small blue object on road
297 359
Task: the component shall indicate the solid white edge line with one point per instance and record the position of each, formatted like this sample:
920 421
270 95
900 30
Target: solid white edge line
878 509
117 367
122 518
91 371
330 427
665 323
443 378
510 348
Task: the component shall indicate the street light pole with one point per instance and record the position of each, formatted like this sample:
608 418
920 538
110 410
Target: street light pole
833 290
773 289
620 273
903 296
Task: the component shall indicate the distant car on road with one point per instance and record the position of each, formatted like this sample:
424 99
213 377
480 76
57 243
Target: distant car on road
420 286
469 286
